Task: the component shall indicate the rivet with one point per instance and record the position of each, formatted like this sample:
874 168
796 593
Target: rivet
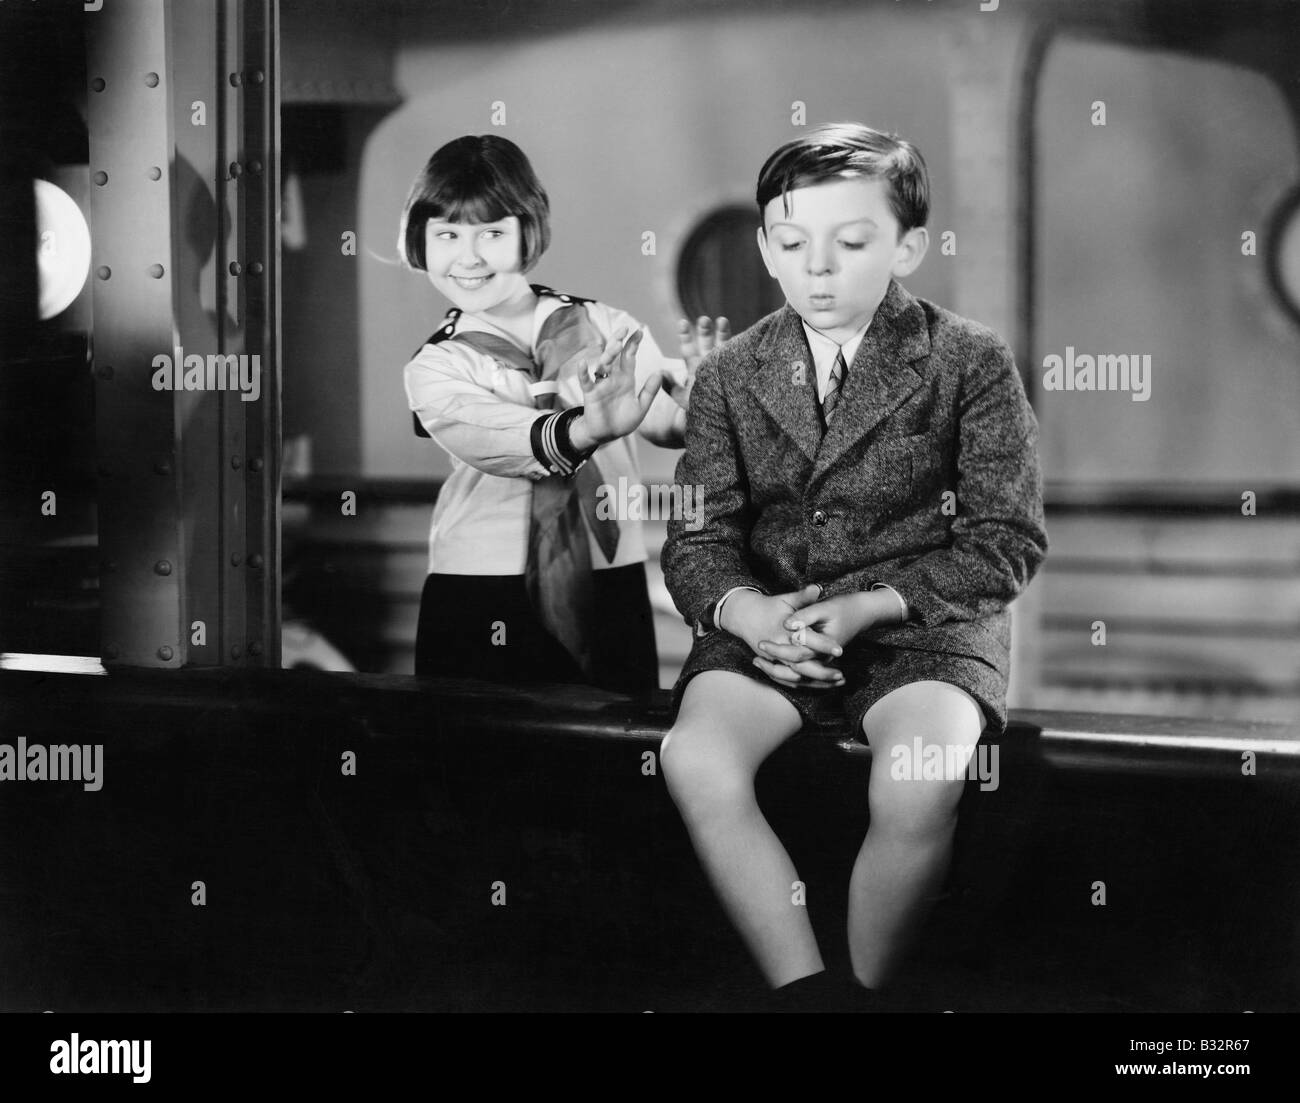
256 76
162 567
109 565
235 268
255 268
165 653
255 560
235 652
254 648
236 462
255 167
103 271
236 80
236 169
97 84
155 173
235 559
101 178
104 371
151 80
255 464
156 271
163 467
109 653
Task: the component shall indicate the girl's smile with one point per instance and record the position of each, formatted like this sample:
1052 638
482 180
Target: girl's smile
471 283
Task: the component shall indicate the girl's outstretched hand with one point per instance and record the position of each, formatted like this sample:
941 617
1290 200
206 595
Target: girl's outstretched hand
612 405
697 342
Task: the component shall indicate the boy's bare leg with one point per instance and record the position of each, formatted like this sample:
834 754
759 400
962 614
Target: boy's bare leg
905 856
726 726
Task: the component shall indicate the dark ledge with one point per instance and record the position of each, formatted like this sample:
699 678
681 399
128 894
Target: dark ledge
397 708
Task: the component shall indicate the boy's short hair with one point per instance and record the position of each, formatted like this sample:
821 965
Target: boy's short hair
846 150
477 178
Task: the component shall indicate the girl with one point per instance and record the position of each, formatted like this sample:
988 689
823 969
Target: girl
534 394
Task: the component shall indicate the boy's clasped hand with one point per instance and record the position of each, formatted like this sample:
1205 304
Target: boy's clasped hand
796 637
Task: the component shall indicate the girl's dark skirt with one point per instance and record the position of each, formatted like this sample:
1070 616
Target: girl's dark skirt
455 634
871 670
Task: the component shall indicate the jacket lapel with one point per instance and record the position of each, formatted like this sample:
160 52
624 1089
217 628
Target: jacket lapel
792 405
881 377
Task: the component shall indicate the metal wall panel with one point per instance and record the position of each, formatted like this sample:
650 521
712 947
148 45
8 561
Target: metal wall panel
132 253
184 139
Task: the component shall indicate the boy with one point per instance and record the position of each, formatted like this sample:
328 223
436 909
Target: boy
872 501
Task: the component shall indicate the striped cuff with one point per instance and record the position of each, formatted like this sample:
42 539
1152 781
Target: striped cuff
551 444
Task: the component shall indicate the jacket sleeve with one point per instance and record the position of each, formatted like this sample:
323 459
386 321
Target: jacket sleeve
700 565
999 538
483 429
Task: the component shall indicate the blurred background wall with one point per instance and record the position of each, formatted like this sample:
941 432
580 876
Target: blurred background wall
1115 178
1119 232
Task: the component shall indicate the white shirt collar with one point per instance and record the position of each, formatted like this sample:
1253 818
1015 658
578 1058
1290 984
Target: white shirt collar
824 350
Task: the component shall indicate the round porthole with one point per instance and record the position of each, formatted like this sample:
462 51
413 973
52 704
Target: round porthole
720 271
1283 249
62 249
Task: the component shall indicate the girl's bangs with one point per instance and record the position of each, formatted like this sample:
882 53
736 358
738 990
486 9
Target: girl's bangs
473 207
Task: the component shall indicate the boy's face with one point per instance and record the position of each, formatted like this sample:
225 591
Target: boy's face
835 252
475 264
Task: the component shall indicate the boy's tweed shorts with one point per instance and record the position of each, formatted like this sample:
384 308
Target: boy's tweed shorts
871 670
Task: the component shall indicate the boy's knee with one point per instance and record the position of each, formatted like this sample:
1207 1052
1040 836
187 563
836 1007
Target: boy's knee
929 711
923 738
697 774
917 809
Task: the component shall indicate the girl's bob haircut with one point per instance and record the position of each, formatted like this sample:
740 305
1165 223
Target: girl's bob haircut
477 178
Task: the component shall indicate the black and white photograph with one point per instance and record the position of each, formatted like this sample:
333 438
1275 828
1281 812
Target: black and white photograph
697 507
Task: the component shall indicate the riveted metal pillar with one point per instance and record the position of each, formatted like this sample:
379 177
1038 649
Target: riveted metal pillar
183 150
259 229
129 122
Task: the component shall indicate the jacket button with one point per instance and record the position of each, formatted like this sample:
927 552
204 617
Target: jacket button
819 517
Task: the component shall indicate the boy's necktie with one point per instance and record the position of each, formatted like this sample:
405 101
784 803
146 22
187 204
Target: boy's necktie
833 387
558 574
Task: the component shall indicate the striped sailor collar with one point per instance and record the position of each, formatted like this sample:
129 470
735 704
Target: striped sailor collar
450 323
447 330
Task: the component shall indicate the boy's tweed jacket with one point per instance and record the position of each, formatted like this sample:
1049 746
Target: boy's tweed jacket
932 403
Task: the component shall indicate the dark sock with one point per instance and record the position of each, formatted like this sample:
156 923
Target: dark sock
813 993
859 998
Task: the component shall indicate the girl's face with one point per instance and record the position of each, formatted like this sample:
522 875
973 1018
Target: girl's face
475 264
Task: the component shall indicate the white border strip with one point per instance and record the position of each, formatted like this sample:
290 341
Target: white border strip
55 664
1182 742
